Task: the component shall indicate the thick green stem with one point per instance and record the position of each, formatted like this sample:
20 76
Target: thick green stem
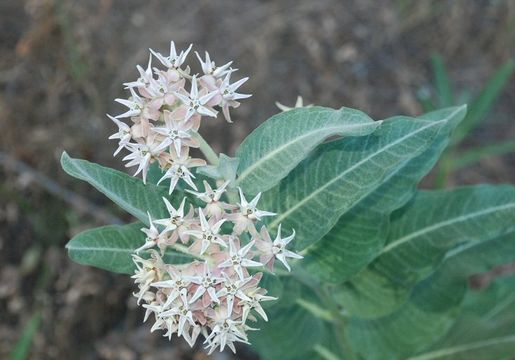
339 323
206 149
338 320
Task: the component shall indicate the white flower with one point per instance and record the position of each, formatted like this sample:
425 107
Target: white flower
229 95
195 332
209 67
206 283
147 272
209 234
298 104
176 172
195 101
179 169
176 218
215 297
181 310
145 76
176 133
277 248
141 155
233 289
238 258
177 223
248 214
135 104
177 285
123 134
255 304
152 236
174 60
214 207
249 208
225 332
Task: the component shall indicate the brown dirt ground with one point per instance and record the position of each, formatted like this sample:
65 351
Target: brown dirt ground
62 62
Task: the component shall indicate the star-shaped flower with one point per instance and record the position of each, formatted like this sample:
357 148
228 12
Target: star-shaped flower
177 133
179 169
209 233
152 238
181 310
298 104
230 96
247 214
145 76
142 154
147 272
225 331
195 102
214 207
206 283
174 60
256 296
123 134
239 258
177 285
209 67
276 249
135 104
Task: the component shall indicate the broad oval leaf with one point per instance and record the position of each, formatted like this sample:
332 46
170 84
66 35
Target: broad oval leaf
360 233
292 332
271 151
127 192
341 173
433 307
421 234
422 321
484 330
111 248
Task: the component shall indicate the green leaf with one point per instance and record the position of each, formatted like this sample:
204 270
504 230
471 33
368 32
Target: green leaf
341 173
225 169
359 234
271 151
292 332
22 348
433 307
421 234
288 334
485 329
111 248
127 192
482 105
422 320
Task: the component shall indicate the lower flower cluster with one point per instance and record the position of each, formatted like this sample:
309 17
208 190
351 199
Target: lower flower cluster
218 292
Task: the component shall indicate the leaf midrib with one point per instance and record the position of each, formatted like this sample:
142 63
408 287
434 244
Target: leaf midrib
442 224
464 348
269 155
102 249
88 178
281 216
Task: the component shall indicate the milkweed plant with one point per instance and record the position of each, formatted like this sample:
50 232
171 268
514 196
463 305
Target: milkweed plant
313 242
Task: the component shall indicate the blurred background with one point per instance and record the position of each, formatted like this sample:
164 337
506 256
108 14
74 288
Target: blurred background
62 63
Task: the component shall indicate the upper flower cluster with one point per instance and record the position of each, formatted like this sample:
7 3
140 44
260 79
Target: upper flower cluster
215 294
165 117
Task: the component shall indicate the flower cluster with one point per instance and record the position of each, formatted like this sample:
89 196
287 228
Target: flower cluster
165 117
216 293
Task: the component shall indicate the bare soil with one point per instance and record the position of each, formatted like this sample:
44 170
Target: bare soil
62 63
